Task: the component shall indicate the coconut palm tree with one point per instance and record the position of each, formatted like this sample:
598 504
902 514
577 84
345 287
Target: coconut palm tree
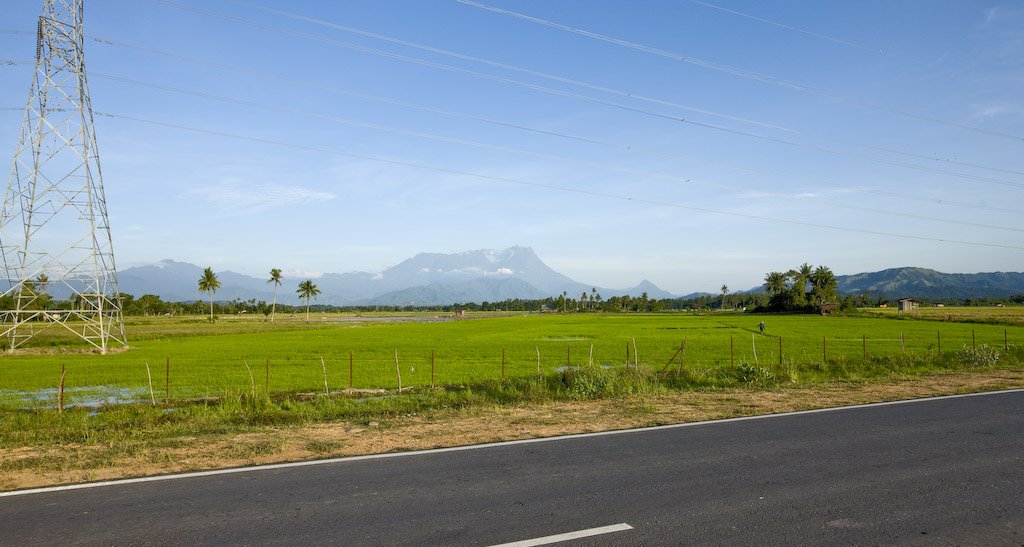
725 291
307 290
209 283
42 281
823 286
775 283
800 279
275 278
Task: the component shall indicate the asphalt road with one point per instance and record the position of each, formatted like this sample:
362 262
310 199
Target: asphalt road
931 472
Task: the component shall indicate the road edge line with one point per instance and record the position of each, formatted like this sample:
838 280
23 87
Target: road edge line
346 459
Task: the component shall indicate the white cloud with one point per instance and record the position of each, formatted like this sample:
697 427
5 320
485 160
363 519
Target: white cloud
999 14
301 274
994 110
235 197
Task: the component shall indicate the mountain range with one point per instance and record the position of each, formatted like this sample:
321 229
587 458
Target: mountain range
429 279
424 280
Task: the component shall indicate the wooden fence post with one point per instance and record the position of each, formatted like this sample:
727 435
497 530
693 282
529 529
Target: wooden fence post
152 396
682 355
753 346
398 371
538 361
60 391
1006 341
568 360
938 338
323 365
974 340
780 351
252 381
167 384
903 343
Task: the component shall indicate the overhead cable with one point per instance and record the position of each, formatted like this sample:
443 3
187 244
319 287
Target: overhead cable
509 180
518 151
742 73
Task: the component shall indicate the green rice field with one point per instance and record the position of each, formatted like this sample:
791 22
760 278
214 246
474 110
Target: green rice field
235 356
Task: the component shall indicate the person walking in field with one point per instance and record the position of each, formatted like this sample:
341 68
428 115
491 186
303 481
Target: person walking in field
761 326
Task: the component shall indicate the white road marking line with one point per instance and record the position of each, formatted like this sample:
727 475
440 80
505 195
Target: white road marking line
273 466
548 540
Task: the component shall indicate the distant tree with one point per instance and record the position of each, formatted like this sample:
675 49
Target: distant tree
307 289
209 283
775 283
150 304
725 291
42 298
800 277
275 278
823 286
775 286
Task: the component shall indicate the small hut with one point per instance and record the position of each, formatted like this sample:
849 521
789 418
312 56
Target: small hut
908 305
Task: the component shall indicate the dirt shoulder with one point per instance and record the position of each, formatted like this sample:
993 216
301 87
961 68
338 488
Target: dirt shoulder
34 467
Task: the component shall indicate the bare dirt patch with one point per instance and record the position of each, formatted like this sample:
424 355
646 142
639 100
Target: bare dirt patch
58 465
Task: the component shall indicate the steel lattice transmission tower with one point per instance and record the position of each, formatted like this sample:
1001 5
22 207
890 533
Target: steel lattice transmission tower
54 233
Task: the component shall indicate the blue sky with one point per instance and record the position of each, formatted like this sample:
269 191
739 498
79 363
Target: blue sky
689 143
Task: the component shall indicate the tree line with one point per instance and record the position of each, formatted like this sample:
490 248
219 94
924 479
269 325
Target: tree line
803 289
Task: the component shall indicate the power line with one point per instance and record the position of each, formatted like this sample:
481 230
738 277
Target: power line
742 73
386 100
607 195
581 97
462 115
506 149
819 35
606 89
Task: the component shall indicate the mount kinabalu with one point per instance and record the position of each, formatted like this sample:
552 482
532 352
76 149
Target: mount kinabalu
425 279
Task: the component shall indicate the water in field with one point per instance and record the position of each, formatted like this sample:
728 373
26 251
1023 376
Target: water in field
393 319
82 397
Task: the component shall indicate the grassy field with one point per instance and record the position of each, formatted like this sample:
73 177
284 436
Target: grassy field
1009 315
209 360
219 412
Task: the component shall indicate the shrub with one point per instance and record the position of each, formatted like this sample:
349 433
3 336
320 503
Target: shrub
981 356
753 374
587 382
595 382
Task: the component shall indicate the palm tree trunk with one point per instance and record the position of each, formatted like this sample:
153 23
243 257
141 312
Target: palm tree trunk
211 306
307 310
273 307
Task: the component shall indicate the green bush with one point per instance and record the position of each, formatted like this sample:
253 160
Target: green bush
981 356
754 375
591 382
